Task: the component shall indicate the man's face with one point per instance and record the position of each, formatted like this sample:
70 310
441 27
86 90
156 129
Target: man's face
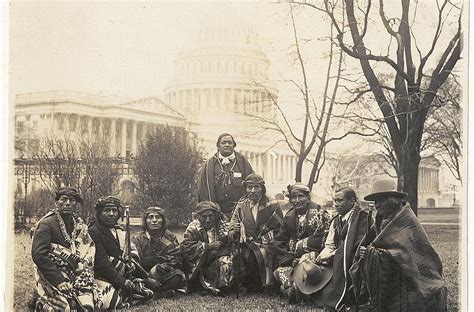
254 191
226 146
381 205
208 219
66 204
298 200
154 221
342 204
109 216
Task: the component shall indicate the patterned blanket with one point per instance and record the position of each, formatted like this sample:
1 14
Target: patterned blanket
401 269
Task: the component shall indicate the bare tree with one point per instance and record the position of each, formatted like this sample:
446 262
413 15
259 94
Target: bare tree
406 103
81 162
443 135
309 141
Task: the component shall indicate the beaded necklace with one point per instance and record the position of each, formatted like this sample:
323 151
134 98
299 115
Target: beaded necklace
68 238
301 228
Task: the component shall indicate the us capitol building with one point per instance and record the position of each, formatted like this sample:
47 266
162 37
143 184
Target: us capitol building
220 85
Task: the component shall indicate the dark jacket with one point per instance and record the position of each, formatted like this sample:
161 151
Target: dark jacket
339 291
288 245
152 252
211 173
106 245
47 232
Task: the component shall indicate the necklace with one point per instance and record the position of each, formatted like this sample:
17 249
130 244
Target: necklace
301 226
70 239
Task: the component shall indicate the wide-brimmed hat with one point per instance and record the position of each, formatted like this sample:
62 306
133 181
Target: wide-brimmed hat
378 195
310 277
385 188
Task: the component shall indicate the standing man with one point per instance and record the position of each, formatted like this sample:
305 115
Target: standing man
400 268
63 253
346 231
254 223
222 175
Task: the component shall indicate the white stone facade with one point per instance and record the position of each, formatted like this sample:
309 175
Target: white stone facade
125 122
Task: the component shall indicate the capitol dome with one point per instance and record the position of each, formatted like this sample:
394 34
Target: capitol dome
221 68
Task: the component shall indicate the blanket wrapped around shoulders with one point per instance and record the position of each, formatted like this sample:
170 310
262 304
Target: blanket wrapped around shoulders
401 269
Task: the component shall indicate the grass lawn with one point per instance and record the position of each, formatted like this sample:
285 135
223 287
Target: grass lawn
444 238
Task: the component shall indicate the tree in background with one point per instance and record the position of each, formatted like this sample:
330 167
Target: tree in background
310 135
83 163
443 135
418 70
166 170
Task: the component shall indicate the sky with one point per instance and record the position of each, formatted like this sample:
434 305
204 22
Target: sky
120 48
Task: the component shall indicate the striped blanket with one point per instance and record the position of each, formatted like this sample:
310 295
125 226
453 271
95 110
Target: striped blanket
401 269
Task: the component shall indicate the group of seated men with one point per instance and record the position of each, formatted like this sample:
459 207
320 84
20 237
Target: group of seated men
347 261
239 242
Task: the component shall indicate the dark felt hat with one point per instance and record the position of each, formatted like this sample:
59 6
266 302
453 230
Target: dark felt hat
378 195
310 277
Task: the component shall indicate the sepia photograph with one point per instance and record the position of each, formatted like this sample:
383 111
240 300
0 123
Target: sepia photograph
237 155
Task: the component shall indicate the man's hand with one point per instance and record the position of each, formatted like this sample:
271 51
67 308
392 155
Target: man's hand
215 245
65 287
295 262
320 259
129 284
362 252
129 266
235 227
175 250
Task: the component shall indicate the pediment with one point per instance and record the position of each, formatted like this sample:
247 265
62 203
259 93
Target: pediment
152 105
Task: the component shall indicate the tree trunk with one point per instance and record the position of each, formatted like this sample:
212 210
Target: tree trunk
299 169
409 162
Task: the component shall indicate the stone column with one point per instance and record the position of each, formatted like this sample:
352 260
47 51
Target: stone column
123 146
101 127
274 169
232 99
198 99
89 125
193 100
294 161
212 94
66 123
113 152
77 125
144 130
268 171
133 148
252 160
259 163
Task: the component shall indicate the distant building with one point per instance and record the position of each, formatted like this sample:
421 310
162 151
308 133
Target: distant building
361 172
220 85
